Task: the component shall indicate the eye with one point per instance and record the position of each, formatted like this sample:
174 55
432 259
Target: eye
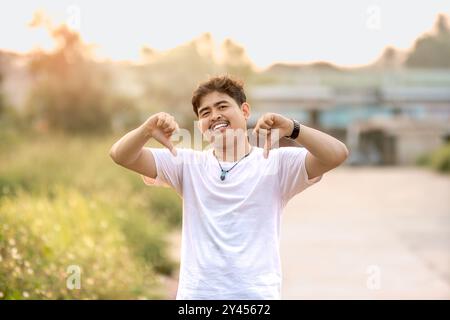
222 106
205 113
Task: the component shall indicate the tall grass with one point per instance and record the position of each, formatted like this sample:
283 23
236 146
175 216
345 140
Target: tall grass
64 202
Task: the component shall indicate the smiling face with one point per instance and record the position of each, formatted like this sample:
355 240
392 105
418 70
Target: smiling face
218 112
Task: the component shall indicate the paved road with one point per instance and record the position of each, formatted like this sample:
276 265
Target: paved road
369 233
366 233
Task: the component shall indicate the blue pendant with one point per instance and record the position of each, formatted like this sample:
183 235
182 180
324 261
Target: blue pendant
222 176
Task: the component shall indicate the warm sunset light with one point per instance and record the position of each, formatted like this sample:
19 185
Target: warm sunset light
350 33
224 150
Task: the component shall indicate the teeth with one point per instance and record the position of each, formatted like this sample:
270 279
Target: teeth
220 125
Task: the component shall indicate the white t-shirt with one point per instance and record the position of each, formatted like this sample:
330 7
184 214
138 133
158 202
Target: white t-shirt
231 228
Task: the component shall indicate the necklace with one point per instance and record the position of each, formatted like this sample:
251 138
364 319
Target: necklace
224 172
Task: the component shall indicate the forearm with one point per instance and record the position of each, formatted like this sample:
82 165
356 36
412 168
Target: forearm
324 147
127 149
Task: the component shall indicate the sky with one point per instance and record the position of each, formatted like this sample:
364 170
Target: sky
346 32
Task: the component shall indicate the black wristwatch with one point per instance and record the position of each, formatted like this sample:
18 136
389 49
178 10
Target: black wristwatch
295 131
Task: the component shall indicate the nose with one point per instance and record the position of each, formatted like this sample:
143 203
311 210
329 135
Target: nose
216 115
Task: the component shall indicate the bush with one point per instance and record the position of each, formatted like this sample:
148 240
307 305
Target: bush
40 238
71 92
64 201
438 160
423 160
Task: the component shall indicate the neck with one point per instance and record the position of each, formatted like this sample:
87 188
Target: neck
233 152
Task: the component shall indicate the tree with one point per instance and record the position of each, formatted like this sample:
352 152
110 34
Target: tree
432 50
170 77
235 59
72 92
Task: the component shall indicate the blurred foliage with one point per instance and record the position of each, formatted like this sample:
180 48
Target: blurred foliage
2 98
71 92
40 237
64 202
235 60
169 78
438 160
10 124
432 50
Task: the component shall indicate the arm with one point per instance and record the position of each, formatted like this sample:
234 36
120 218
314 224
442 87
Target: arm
324 151
129 151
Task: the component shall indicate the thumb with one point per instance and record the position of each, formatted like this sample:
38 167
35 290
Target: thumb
267 144
169 145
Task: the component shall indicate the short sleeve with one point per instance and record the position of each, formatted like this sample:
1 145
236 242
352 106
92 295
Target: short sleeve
292 172
169 169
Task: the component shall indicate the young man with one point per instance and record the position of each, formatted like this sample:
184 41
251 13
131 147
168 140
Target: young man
233 193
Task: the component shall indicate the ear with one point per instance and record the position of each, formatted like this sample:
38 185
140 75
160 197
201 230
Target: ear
246 110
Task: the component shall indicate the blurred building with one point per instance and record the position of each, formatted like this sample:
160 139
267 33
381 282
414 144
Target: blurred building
396 140
383 118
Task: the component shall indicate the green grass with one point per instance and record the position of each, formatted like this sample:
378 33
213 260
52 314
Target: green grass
439 160
64 202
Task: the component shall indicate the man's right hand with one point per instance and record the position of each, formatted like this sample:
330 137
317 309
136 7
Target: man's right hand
161 126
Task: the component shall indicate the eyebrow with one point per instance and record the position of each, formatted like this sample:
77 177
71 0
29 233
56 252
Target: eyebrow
215 104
